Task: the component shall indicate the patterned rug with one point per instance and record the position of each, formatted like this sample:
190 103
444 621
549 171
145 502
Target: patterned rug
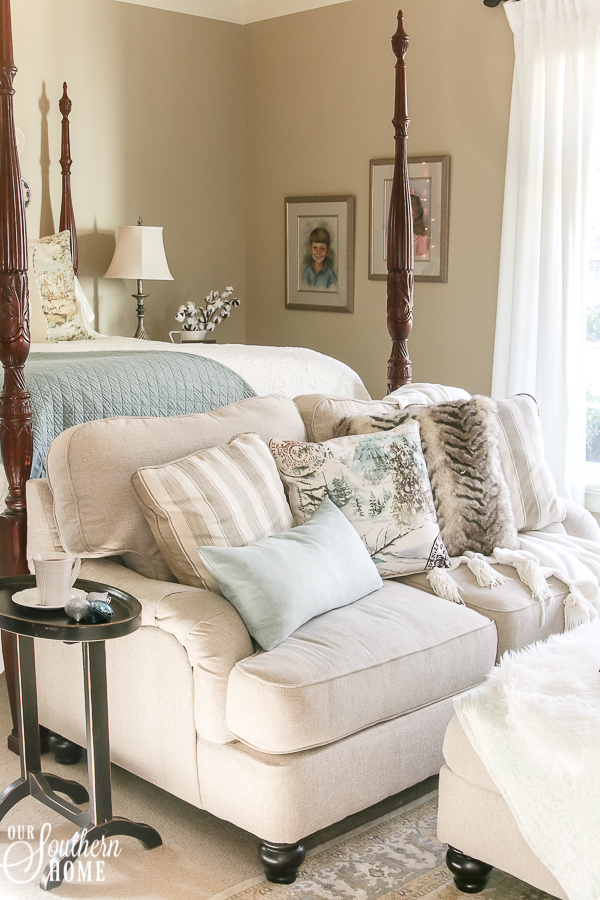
397 857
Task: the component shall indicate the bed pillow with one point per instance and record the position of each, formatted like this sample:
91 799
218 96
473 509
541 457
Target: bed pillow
38 326
380 483
532 488
53 279
460 441
225 496
279 583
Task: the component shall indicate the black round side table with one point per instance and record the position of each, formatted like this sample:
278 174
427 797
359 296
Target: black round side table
98 821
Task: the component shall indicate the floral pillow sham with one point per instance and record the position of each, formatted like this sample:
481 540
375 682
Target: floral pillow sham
52 268
380 483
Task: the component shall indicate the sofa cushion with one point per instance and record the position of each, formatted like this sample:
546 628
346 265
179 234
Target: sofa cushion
517 615
226 496
328 417
89 467
532 488
279 583
380 483
386 655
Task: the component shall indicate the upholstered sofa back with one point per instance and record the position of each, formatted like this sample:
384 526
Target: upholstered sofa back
89 469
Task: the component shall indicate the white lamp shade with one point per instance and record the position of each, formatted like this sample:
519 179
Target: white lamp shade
139 254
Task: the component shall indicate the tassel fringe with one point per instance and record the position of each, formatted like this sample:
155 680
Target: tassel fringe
530 574
444 585
484 573
578 610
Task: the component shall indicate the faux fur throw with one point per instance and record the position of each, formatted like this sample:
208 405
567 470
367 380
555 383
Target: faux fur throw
472 501
535 725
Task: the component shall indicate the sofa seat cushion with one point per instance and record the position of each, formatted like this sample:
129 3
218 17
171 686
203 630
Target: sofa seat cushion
392 652
517 615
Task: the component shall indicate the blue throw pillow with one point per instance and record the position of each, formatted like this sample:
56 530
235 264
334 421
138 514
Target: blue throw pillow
282 581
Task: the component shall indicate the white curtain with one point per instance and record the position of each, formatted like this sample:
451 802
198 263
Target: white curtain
540 327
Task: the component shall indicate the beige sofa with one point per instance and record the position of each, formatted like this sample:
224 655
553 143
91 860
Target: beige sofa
348 710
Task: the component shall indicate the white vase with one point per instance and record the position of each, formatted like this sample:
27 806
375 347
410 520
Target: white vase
191 337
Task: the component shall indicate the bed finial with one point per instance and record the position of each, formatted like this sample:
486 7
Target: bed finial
400 250
67 216
15 401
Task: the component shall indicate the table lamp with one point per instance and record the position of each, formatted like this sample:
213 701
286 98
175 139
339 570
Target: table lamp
139 254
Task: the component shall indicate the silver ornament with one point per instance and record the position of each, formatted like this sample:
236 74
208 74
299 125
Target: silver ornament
96 596
77 607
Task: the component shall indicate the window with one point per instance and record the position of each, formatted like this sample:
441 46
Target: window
592 361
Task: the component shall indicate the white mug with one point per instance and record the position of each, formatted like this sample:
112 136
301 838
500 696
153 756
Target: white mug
55 574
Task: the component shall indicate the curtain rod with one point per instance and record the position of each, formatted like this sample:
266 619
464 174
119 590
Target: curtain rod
492 2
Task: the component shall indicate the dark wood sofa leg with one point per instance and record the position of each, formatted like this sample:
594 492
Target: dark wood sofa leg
281 861
470 875
66 753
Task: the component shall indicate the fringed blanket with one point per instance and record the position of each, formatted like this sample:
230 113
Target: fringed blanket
574 561
535 724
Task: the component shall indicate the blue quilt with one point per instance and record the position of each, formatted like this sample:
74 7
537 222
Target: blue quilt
70 388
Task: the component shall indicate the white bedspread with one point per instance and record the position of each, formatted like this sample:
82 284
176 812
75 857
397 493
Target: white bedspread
535 724
269 370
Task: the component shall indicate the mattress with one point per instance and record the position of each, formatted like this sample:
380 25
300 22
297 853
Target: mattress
268 370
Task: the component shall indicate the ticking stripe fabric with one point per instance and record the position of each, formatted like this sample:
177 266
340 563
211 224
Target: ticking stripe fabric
227 496
532 488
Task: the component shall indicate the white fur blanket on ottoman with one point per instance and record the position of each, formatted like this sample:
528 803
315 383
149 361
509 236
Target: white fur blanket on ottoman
535 724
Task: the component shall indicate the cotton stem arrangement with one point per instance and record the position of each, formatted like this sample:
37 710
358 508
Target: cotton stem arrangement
206 317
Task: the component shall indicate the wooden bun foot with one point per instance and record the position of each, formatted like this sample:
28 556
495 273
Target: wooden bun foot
281 861
66 753
470 875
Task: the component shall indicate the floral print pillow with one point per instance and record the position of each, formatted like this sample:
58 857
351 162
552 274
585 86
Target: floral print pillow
55 279
380 483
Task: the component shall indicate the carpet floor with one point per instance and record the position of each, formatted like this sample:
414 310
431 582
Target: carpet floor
389 851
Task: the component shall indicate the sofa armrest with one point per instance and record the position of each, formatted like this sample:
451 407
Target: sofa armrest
579 522
206 625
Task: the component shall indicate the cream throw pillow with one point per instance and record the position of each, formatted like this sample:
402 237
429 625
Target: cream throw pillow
227 496
532 488
380 483
51 278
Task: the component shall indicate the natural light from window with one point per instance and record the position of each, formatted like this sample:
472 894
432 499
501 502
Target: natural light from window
593 350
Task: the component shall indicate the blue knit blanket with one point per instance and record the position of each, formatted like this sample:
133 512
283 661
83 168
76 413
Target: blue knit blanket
71 388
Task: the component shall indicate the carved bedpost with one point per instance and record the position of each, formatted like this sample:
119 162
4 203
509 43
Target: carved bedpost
400 249
15 402
67 216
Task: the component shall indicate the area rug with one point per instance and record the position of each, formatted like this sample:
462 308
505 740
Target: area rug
397 857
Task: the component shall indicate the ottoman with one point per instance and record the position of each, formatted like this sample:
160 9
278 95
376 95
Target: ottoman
476 822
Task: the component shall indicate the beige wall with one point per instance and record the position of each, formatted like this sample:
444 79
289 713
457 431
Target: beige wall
157 129
319 100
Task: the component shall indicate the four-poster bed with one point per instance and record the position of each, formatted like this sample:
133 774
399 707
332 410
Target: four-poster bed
15 409
16 438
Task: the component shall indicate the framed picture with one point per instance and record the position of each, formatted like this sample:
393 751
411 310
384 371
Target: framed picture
319 253
429 180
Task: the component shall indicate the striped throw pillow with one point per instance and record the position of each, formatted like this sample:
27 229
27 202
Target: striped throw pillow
532 488
227 496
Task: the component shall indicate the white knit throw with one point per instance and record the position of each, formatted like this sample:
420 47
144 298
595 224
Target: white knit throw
574 561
